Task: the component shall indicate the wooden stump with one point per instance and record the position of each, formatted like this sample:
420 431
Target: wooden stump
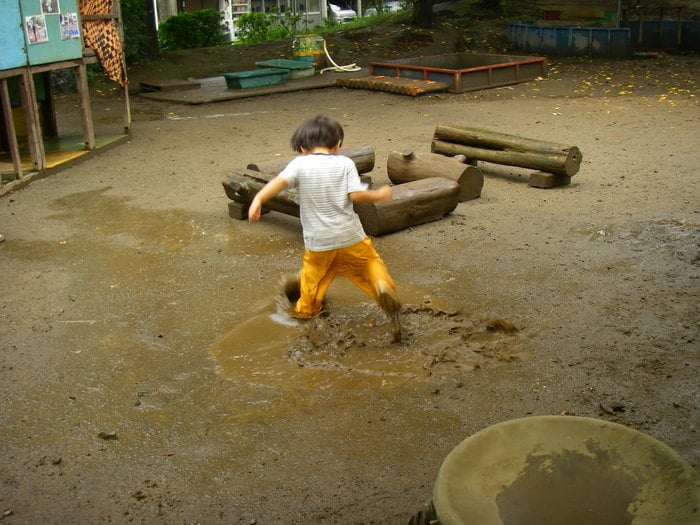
412 203
407 166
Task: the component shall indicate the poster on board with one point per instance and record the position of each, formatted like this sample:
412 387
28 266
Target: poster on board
50 7
36 29
69 26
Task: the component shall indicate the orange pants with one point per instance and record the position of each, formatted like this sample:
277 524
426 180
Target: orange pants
360 263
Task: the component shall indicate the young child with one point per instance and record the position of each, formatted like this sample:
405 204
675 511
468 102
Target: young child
334 241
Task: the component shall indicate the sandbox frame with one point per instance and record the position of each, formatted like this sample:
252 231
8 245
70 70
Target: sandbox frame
465 71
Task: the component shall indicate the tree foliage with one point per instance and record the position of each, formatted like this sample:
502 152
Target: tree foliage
191 30
254 28
136 35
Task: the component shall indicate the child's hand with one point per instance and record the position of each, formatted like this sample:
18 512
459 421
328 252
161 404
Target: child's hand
384 193
368 196
254 210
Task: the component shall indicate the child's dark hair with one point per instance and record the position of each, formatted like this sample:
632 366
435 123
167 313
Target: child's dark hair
317 132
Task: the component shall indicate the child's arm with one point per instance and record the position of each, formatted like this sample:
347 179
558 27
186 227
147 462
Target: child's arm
270 190
368 196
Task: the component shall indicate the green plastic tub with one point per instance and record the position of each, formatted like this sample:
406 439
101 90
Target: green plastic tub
255 78
295 68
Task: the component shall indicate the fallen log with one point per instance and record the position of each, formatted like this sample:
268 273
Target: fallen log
541 161
411 204
241 186
493 139
407 166
362 156
502 148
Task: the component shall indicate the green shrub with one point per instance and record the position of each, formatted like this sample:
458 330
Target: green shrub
136 37
191 30
254 28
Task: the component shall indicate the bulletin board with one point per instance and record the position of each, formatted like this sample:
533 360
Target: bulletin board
12 43
39 32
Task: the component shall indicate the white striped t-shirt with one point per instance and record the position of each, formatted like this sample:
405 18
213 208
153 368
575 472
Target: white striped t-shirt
328 219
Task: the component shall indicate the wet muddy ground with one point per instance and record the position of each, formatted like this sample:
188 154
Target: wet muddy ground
148 375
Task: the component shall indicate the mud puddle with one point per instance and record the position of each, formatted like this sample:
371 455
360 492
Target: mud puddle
351 343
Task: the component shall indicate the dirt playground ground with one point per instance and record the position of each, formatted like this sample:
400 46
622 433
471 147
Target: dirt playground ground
144 377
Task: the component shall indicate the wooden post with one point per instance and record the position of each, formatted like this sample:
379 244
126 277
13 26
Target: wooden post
126 105
85 108
31 112
406 166
10 128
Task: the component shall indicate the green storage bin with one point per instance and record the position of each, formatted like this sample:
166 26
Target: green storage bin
255 78
295 68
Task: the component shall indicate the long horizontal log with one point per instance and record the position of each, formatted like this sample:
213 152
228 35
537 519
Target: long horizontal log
483 138
541 161
362 156
569 157
406 166
242 185
411 204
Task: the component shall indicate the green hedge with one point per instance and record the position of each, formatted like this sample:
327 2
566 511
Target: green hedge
191 30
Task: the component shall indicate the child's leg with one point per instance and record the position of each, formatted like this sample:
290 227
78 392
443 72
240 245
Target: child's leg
362 265
317 272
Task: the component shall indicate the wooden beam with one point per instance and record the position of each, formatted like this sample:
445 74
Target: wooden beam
31 113
85 108
10 128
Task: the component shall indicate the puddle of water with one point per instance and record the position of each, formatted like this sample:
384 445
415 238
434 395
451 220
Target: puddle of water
351 343
142 302
572 488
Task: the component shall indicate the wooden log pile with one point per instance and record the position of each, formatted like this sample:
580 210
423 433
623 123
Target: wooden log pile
421 194
427 186
555 163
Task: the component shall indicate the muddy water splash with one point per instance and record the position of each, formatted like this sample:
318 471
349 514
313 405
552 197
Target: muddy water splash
351 343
